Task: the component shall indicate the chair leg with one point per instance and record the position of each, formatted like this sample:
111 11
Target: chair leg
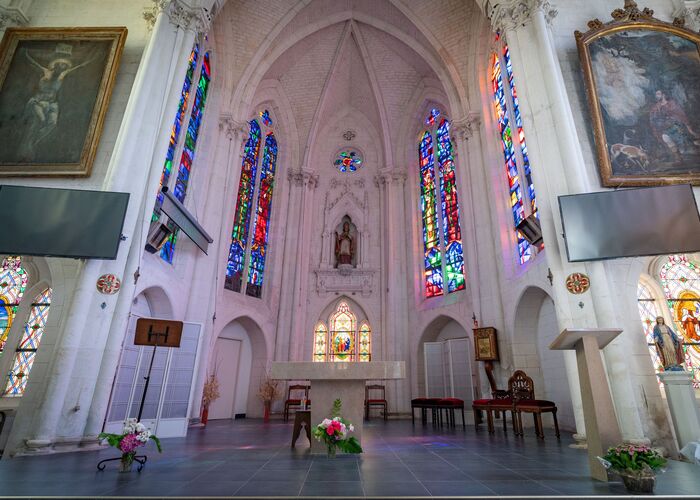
489 421
413 416
540 430
477 417
464 426
386 413
556 424
505 421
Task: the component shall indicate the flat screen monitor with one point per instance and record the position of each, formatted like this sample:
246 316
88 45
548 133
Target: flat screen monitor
630 223
61 222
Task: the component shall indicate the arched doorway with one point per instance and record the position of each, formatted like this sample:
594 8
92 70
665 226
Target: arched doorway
534 330
238 360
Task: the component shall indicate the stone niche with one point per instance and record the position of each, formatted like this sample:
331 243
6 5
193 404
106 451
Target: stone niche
345 201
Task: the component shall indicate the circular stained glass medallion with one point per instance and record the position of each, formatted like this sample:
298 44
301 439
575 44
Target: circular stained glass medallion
348 161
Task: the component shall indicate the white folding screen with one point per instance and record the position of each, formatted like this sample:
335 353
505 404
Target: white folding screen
169 395
448 371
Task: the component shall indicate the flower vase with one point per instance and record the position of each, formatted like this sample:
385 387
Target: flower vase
638 483
266 411
126 462
331 450
205 415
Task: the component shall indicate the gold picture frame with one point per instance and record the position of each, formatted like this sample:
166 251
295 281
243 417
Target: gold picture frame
55 86
641 79
485 344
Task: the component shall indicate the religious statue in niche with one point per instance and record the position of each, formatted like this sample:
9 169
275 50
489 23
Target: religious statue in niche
345 248
669 346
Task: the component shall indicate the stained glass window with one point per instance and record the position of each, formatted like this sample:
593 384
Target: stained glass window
13 282
175 130
188 149
680 281
256 269
517 163
365 342
440 234
320 336
248 259
348 161
344 342
265 118
28 345
648 312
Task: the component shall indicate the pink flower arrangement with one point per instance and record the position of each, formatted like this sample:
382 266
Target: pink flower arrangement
334 432
134 435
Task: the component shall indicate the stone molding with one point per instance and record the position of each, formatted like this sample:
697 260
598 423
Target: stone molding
231 127
506 15
397 177
180 14
347 281
11 16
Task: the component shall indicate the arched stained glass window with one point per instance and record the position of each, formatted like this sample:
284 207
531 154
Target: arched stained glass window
648 312
440 234
680 281
28 345
320 342
198 70
365 349
13 282
342 341
248 259
507 111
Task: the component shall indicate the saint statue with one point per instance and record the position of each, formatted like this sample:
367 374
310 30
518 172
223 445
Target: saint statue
344 246
690 324
669 346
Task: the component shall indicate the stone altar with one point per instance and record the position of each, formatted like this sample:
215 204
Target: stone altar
332 380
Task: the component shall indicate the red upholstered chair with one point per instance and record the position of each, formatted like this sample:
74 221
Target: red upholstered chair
450 405
295 393
378 399
425 404
523 390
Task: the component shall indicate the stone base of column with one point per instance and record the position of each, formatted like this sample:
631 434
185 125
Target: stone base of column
682 405
580 443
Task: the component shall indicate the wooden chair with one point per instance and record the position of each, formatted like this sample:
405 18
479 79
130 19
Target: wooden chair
523 391
301 392
379 401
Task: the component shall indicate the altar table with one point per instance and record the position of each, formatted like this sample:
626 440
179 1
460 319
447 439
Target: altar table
335 380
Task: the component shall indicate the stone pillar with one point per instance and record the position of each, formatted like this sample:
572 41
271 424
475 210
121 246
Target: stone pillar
688 11
380 180
84 362
557 169
683 406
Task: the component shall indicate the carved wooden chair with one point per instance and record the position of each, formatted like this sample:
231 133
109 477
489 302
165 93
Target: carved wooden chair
295 394
523 390
378 400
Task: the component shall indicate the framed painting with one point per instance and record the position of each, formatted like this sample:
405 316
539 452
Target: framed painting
55 85
641 76
485 345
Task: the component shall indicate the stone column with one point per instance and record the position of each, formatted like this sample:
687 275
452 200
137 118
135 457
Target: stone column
557 169
380 180
79 368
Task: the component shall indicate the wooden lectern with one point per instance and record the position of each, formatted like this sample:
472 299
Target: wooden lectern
602 430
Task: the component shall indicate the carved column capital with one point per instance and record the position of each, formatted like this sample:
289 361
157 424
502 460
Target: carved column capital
398 177
382 179
508 15
464 128
303 178
12 16
689 13
231 127
180 14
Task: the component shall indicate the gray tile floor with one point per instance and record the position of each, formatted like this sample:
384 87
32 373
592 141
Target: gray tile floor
250 458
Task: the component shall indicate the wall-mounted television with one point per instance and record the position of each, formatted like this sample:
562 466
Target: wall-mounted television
630 223
61 222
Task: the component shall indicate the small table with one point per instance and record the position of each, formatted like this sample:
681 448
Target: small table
301 417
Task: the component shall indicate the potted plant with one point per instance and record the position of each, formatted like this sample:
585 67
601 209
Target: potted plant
209 395
635 464
133 436
268 392
334 432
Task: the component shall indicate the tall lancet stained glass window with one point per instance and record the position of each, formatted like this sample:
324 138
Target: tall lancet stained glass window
442 235
25 353
522 197
248 252
184 145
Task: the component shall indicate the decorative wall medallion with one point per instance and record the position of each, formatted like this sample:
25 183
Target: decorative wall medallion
349 135
577 283
108 284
